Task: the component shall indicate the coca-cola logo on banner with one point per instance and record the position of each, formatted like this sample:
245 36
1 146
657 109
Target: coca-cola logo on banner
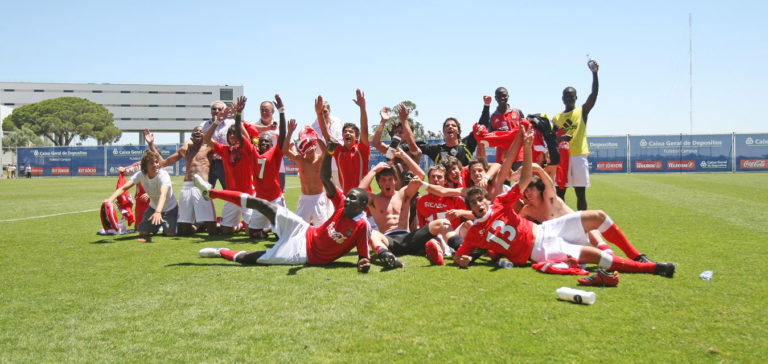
754 163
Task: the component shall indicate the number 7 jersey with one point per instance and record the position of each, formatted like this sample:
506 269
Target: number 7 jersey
502 230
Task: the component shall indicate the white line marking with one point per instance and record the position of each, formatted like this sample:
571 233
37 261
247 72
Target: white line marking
44 216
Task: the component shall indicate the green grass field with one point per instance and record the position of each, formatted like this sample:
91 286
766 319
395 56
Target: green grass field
69 295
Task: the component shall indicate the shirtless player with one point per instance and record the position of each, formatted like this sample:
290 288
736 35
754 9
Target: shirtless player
390 210
308 154
542 204
192 207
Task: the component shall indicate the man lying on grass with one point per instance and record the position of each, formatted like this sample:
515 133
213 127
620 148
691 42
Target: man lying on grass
299 243
499 229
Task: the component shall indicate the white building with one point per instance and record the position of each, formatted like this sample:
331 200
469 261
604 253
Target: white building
161 108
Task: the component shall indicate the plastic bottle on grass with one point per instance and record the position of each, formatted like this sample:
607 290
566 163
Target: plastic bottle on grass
576 295
503 263
706 275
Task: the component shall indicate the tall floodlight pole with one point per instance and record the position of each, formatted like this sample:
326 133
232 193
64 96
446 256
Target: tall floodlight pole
690 67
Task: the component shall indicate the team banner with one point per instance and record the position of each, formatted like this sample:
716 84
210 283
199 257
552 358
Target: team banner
751 152
124 156
63 161
681 153
607 154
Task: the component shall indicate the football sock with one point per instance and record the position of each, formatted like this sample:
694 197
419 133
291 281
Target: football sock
230 254
620 264
234 197
612 233
377 249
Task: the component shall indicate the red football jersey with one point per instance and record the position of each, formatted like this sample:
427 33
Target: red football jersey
266 174
502 230
238 166
353 164
507 121
337 236
539 145
430 207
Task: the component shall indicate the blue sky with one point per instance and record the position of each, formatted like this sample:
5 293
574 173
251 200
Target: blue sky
444 56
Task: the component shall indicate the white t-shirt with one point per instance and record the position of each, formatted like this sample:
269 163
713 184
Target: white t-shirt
152 187
334 128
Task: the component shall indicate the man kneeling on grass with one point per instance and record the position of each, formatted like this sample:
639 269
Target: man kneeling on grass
299 243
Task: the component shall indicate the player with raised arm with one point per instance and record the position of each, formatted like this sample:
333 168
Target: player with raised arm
542 204
573 121
192 207
353 156
299 243
266 173
239 156
313 205
499 229
390 210
400 128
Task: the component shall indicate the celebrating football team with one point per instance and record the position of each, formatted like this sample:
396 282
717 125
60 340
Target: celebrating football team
464 207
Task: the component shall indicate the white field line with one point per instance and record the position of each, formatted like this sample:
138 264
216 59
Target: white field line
52 215
83 211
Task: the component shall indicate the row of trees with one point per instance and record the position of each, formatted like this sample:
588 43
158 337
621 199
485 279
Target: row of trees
58 121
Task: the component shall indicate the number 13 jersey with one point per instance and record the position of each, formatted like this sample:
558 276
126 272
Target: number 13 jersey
501 230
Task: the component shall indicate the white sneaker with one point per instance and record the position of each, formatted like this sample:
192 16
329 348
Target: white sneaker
203 185
210 252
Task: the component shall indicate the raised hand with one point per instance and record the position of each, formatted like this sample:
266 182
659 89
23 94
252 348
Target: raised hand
403 112
239 105
528 136
278 102
319 104
224 113
149 137
384 114
487 100
593 66
291 126
360 98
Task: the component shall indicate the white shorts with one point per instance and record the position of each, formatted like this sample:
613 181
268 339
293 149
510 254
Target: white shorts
291 247
259 221
231 214
559 238
193 207
578 171
314 208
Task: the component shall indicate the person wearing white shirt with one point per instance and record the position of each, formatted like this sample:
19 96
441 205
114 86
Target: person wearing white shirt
219 135
163 208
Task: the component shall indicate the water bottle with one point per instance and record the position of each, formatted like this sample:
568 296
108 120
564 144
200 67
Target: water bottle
503 263
706 275
576 295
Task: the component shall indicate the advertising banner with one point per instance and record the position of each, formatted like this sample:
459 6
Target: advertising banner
751 152
124 156
607 154
681 153
291 168
63 161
